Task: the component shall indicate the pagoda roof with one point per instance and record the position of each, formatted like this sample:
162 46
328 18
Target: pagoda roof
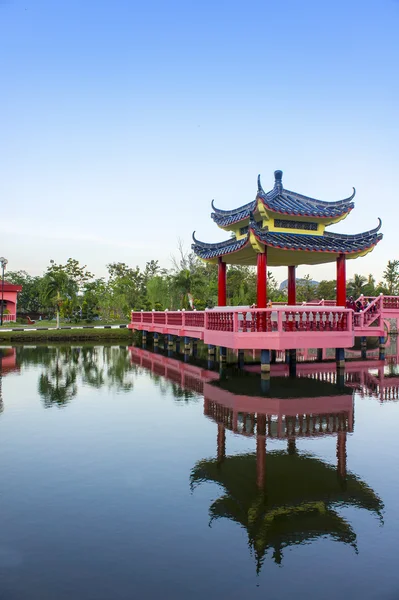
284 202
299 501
329 243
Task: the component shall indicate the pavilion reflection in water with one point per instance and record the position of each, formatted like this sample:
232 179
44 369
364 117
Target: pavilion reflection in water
281 498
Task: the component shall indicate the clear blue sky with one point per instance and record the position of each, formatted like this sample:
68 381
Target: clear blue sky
120 121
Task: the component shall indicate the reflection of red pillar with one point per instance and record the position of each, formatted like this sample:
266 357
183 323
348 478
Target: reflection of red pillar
221 442
381 382
341 280
262 279
221 282
260 461
291 445
260 450
341 454
291 285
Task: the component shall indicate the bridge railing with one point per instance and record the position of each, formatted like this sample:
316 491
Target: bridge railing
190 319
371 315
280 319
251 320
388 302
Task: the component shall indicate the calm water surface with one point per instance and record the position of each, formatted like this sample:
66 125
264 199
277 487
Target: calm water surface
127 474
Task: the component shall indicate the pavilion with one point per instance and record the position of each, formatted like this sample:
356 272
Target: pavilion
284 228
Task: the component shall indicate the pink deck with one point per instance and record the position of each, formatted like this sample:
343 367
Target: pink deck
277 328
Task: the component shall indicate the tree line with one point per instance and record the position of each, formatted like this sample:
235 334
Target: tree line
72 292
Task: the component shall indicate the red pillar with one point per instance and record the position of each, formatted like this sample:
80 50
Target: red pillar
341 280
262 279
221 282
291 285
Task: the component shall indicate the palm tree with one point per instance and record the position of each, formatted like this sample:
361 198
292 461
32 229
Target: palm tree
56 284
356 285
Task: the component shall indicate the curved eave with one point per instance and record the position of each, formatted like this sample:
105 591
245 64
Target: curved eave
288 248
226 218
294 205
288 203
330 243
208 251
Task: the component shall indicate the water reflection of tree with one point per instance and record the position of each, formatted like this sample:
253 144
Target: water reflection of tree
64 368
57 383
118 363
165 386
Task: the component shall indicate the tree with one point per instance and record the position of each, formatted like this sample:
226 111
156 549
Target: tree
391 277
158 292
305 289
56 287
126 289
182 283
326 290
370 287
29 298
356 286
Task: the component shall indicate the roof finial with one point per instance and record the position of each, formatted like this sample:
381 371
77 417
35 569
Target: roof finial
278 184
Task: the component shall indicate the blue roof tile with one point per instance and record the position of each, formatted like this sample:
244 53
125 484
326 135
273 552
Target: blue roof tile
337 243
284 202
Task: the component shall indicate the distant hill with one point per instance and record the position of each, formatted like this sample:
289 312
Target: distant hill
284 284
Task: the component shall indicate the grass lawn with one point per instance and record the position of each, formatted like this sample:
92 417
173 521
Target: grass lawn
52 323
125 335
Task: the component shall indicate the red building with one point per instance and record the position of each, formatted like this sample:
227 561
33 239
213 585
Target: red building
9 297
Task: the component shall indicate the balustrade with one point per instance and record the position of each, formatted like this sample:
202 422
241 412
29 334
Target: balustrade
271 320
194 319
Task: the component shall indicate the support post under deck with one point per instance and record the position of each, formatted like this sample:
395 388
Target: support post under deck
292 362
363 347
340 357
186 349
223 355
265 361
381 355
211 356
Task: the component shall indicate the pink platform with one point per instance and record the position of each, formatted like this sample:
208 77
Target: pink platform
277 328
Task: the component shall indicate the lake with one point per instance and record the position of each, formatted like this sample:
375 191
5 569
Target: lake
130 474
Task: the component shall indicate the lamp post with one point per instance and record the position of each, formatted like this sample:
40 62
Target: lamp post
3 263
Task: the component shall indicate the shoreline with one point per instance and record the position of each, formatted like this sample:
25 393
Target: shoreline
67 334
